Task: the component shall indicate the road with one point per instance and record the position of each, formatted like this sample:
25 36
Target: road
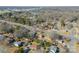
26 26
18 24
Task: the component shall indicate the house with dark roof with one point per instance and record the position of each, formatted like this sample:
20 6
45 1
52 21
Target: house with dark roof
26 49
11 41
18 44
53 49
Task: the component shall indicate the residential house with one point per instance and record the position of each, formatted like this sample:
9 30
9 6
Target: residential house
11 41
53 49
18 44
26 49
2 37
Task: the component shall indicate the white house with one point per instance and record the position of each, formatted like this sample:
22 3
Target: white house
2 37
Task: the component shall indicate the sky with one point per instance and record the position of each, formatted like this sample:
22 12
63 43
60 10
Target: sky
39 2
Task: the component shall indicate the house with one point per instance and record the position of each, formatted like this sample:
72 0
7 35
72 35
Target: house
33 34
48 39
2 37
55 35
18 44
11 35
18 35
70 37
34 47
53 49
26 49
10 41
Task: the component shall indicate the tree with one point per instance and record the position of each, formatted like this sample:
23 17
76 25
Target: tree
20 50
7 28
62 23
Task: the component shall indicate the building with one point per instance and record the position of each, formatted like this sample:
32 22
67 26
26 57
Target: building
17 44
53 49
2 37
34 47
26 49
10 41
